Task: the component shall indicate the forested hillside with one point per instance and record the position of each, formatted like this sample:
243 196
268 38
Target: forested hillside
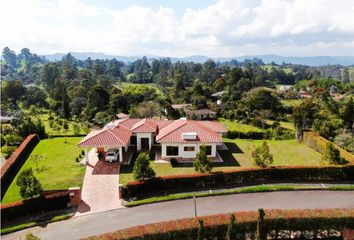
94 90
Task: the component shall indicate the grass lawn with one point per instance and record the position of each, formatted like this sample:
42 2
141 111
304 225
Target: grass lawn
58 170
287 125
50 131
150 85
235 126
285 152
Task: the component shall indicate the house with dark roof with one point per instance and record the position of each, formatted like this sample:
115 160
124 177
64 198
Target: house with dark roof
200 114
179 139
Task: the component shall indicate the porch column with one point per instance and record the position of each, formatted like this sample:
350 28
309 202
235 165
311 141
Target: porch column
126 148
86 155
121 154
150 141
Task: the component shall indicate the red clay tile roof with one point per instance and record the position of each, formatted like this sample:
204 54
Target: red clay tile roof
173 132
119 132
145 125
118 136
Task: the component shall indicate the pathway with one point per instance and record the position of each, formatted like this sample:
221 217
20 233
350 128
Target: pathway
100 191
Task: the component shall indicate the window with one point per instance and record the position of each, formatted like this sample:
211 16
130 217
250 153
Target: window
171 151
208 150
189 149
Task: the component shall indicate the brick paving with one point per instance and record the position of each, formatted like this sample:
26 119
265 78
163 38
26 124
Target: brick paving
100 191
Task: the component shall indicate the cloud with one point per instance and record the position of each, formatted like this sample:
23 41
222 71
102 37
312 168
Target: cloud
226 28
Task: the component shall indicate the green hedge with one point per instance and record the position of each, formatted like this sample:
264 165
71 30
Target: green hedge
304 221
53 200
15 162
180 183
249 135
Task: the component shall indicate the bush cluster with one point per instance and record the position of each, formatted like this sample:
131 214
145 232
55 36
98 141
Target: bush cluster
15 162
53 200
169 184
216 226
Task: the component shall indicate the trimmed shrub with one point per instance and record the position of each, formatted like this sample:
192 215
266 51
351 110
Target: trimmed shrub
215 226
173 162
48 201
241 177
246 135
15 162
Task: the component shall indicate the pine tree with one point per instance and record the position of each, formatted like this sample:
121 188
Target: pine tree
202 163
262 156
29 184
142 169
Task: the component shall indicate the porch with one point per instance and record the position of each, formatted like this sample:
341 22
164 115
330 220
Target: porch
125 154
156 150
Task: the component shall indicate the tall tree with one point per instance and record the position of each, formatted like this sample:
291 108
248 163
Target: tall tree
304 115
12 91
10 57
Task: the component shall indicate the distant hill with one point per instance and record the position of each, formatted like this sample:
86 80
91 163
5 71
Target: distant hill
310 61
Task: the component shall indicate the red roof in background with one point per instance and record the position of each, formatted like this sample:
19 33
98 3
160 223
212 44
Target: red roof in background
118 133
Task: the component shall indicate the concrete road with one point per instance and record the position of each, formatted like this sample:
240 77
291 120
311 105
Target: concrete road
99 223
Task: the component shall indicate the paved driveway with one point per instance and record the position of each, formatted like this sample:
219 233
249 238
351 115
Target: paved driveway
100 190
99 223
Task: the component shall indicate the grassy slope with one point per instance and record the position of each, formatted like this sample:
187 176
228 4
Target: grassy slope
60 170
234 126
286 152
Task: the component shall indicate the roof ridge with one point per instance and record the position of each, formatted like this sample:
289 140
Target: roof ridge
115 136
94 135
185 122
203 127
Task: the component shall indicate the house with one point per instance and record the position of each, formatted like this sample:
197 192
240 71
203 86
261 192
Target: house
284 88
305 94
179 139
200 114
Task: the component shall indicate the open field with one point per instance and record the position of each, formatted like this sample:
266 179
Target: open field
235 126
50 131
286 152
150 85
57 170
287 125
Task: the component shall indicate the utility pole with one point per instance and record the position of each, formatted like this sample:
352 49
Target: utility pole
195 206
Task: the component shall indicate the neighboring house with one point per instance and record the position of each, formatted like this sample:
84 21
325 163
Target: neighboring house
180 106
305 94
284 88
180 139
200 114
6 119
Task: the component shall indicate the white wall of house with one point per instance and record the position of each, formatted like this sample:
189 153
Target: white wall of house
185 150
139 136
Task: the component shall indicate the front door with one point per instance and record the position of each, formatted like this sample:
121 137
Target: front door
145 144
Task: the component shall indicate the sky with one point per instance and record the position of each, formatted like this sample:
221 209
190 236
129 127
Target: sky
179 28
